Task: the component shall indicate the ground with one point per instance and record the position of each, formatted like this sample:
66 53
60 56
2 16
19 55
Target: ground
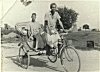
90 61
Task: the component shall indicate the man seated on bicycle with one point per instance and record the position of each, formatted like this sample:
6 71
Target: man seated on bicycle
30 34
50 24
35 31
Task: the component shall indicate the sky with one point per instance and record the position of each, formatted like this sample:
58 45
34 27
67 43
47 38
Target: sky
88 11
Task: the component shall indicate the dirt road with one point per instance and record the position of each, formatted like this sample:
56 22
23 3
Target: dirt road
90 61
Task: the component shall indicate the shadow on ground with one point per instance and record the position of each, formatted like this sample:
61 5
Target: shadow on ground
35 63
42 63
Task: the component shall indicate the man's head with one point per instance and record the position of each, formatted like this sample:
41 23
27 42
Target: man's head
33 17
53 7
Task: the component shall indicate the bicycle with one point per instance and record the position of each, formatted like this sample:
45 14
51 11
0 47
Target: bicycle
64 52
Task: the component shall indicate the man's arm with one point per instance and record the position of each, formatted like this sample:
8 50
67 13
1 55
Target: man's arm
45 25
61 24
30 32
58 18
45 22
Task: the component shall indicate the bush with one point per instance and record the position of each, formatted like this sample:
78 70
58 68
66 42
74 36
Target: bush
94 30
85 26
68 17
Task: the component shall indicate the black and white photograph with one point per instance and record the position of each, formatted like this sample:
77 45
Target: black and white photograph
49 36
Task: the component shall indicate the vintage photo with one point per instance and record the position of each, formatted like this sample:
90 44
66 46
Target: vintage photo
50 36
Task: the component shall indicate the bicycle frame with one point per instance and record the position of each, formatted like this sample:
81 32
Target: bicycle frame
63 42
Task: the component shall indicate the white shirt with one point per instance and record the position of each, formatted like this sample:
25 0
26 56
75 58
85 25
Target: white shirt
35 27
52 19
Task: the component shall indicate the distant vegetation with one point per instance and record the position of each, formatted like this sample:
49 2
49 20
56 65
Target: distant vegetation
8 34
95 30
86 26
7 29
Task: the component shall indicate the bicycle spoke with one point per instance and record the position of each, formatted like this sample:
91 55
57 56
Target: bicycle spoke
70 60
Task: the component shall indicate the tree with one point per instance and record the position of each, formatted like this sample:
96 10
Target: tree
68 17
79 29
85 26
95 30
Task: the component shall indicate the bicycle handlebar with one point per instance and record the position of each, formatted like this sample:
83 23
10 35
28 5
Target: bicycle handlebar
63 32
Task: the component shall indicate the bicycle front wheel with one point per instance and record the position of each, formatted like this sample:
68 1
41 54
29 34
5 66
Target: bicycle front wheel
70 59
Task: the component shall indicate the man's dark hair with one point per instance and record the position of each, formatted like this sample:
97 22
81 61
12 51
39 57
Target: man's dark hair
33 14
52 5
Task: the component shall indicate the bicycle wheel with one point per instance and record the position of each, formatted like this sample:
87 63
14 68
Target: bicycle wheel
24 58
53 56
70 59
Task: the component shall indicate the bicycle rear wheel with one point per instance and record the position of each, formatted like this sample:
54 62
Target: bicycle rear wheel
70 59
24 58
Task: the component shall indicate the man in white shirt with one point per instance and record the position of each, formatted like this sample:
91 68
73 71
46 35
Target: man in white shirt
51 18
35 31
50 21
